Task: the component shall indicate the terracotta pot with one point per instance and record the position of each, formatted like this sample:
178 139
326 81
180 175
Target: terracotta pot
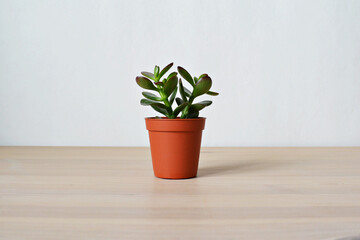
175 146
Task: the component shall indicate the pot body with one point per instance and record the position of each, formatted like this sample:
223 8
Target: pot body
175 146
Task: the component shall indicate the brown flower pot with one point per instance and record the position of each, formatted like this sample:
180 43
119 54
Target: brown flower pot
175 146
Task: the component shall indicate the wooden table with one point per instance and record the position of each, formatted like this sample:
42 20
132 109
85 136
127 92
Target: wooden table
240 193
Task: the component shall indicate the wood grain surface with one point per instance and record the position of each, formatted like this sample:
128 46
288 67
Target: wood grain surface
240 193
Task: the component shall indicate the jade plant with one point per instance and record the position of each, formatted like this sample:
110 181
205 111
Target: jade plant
167 88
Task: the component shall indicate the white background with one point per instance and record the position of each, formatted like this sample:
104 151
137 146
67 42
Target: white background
288 72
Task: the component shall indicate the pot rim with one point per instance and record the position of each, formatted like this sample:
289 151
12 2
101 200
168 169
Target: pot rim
173 119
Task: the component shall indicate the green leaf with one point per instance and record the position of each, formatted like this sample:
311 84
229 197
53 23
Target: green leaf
170 85
172 74
205 102
180 108
212 93
146 102
165 70
148 75
145 83
173 95
197 106
161 108
186 75
193 113
203 75
159 84
151 96
179 101
156 72
202 86
200 105
187 92
196 79
182 91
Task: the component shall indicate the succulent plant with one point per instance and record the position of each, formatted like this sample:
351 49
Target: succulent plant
167 89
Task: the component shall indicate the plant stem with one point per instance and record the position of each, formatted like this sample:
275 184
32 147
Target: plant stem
167 103
185 112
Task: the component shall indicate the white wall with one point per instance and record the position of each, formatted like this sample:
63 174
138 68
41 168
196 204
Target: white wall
288 72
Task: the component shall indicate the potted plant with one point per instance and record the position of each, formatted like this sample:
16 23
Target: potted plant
175 139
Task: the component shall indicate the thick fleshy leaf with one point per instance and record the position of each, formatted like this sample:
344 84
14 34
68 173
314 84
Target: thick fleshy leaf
202 86
203 75
156 72
170 85
145 83
187 92
173 95
212 93
161 108
180 108
159 84
182 91
179 101
193 113
200 105
146 102
186 75
165 69
148 75
197 106
205 102
196 80
171 75
151 96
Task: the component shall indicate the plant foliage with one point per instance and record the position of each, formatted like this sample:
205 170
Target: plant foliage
168 87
